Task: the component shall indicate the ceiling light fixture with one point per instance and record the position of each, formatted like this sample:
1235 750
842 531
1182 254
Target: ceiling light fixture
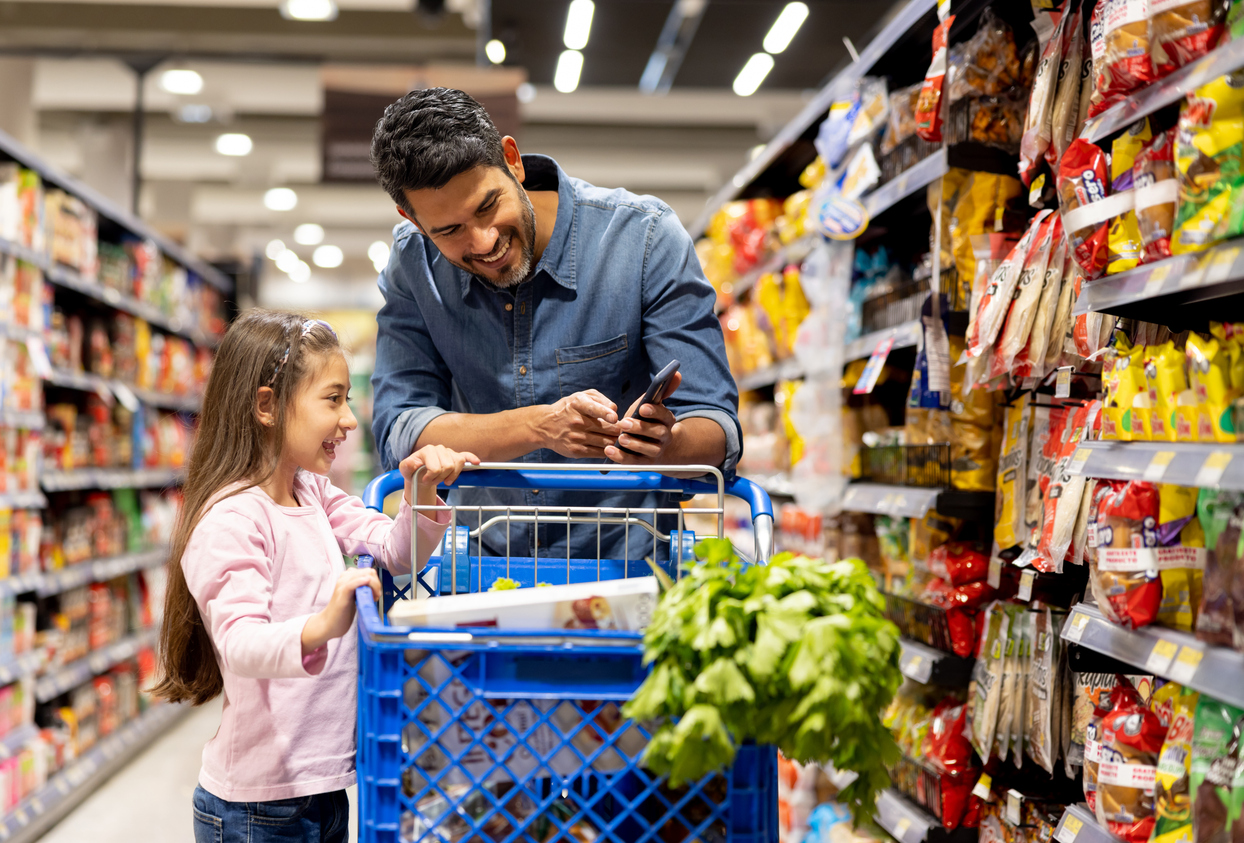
309 234
378 252
526 92
752 74
578 24
301 273
495 51
785 27
287 260
569 66
234 143
181 82
274 249
280 199
195 113
311 10
328 257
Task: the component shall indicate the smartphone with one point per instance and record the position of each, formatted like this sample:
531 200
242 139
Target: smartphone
656 391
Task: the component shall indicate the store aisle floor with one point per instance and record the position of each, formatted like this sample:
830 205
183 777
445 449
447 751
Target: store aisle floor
149 799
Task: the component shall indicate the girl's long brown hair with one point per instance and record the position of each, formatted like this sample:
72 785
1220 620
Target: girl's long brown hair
232 448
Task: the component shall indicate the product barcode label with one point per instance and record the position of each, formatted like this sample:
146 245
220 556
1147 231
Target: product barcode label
1026 579
900 828
1076 630
1186 663
1068 831
995 572
983 784
1220 264
1062 383
1153 284
1014 807
1078 460
1161 656
1157 466
1212 469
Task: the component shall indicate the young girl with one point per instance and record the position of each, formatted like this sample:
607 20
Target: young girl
260 604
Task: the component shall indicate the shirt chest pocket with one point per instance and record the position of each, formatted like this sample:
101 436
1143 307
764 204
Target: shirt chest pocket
600 366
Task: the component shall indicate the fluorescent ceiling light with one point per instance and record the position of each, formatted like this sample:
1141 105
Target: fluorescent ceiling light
327 256
309 10
752 74
578 24
569 66
309 234
287 260
495 51
526 92
181 81
283 199
785 27
195 113
300 273
234 143
274 249
379 254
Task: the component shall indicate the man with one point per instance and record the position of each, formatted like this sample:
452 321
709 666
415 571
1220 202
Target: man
526 311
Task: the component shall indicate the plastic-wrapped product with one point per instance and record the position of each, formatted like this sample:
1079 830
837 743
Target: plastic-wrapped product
1208 369
1208 150
1126 532
973 452
902 122
1184 30
1040 709
1102 707
1166 379
1132 736
1008 528
1215 623
874 110
983 201
1157 191
1064 122
1172 797
929 107
1023 310
1037 122
987 676
987 64
1125 63
1062 496
1082 183
1030 362
1123 377
831 137
1215 747
1063 321
1047 426
996 300
1123 247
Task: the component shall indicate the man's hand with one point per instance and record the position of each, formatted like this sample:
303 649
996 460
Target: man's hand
649 431
580 426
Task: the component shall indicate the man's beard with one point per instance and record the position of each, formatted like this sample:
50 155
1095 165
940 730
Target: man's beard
519 273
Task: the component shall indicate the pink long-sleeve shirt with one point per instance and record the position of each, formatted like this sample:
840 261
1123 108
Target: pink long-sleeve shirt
258 571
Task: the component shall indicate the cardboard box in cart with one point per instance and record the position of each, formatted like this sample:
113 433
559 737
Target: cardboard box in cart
625 605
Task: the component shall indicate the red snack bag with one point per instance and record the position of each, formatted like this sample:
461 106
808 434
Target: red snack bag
1183 31
1082 180
1125 64
1093 739
929 103
972 595
1062 496
1126 535
964 564
946 746
1131 738
956 792
961 624
1157 191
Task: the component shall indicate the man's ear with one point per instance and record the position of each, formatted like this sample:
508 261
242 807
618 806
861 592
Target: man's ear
513 159
408 218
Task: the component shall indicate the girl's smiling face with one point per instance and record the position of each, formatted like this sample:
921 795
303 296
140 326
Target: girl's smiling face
320 417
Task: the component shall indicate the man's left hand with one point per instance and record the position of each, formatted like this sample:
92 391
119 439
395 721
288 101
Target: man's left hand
649 432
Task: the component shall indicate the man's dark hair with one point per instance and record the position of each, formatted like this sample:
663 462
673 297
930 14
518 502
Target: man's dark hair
428 137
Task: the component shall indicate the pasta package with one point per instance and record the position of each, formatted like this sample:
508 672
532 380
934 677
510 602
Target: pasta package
996 300
1157 192
1208 150
1081 186
1038 121
1125 62
1123 245
1184 30
1064 125
929 106
1023 310
1030 362
1062 495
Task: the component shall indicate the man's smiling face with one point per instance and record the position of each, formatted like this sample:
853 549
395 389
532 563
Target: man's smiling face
482 222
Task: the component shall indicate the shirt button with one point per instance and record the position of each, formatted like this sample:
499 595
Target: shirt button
522 370
509 307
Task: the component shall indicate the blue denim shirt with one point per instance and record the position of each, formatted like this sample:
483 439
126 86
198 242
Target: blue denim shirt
617 294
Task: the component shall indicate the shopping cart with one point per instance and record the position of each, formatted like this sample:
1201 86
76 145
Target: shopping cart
491 734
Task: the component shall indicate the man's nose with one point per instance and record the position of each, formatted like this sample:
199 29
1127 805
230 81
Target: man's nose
485 240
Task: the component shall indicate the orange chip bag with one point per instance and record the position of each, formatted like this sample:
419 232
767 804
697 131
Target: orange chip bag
1125 62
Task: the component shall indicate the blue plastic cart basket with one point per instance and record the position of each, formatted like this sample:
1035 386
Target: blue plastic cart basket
488 735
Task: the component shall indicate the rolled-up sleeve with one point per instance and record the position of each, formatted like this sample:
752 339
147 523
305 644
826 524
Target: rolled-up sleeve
679 324
411 381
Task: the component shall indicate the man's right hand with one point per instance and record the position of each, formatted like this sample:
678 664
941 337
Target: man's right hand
580 426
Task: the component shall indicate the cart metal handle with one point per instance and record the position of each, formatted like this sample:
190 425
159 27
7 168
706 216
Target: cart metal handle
598 478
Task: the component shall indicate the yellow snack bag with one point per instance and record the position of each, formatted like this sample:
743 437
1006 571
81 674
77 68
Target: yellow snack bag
981 207
1009 529
929 532
1125 244
813 174
795 307
1165 378
1176 502
784 394
1209 372
1208 149
1123 377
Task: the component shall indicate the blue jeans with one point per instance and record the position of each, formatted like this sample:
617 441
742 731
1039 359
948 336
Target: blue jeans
322 818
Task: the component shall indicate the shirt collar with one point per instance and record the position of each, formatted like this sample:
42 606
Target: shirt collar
543 173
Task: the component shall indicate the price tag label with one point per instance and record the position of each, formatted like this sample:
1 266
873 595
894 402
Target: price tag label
1014 807
1078 459
1161 656
1062 382
1212 469
39 357
126 396
995 572
1220 264
912 666
1034 193
872 369
1155 281
1186 663
900 828
1075 631
1069 830
62 787
1026 579
1157 466
1194 276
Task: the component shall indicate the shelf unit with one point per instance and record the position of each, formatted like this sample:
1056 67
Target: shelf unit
87 382
64 791
786 370
1177 656
47 583
906 183
930 666
1181 463
110 478
906 335
908 823
790 253
72 675
1079 825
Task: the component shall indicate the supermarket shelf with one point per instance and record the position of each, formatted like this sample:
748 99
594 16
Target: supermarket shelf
790 253
1171 89
789 369
112 211
72 280
906 335
18 667
16 740
111 478
45 583
1172 655
901 19
1180 279
75 673
907 823
21 333
22 253
36 814
906 183
929 666
879 499
23 500
1078 825
1181 463
94 383
24 419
